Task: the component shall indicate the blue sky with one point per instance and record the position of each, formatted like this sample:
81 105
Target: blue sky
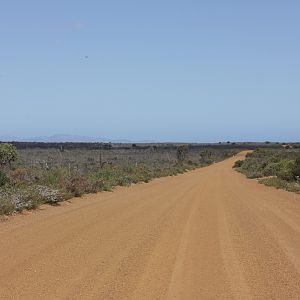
199 71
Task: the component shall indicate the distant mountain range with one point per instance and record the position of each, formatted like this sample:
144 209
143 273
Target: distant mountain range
63 138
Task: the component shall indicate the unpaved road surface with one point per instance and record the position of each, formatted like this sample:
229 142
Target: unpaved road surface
207 234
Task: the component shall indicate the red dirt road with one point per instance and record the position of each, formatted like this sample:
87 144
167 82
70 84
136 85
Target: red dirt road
207 234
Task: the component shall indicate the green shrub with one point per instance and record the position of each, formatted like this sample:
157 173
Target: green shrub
3 179
296 168
272 169
253 167
285 170
238 164
6 206
281 184
270 162
56 177
281 166
8 154
275 182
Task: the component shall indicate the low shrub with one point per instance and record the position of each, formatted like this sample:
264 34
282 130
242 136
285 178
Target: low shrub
27 198
20 176
272 169
275 182
282 166
3 179
238 164
285 170
6 206
77 186
50 177
281 184
296 169
56 177
48 195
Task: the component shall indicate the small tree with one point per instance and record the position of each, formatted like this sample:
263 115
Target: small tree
181 152
8 154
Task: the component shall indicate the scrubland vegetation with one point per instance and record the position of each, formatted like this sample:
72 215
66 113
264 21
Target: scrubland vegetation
273 167
30 176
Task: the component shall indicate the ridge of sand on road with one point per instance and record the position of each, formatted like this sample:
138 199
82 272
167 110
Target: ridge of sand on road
209 233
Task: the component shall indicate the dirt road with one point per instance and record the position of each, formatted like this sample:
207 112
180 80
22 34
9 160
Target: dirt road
210 233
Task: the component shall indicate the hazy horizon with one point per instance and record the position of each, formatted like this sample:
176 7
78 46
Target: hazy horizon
189 71
62 138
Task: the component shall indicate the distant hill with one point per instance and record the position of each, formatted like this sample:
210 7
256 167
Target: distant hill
67 138
57 138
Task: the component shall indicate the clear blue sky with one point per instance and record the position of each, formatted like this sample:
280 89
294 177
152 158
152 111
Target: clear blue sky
155 70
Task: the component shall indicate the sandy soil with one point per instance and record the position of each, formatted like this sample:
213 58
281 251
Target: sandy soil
207 234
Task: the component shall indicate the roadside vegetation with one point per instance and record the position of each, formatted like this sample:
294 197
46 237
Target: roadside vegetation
279 168
34 176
